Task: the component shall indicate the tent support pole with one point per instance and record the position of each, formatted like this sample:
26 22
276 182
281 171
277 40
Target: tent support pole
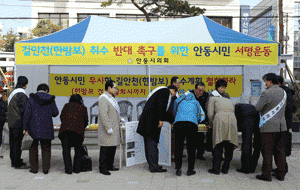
149 79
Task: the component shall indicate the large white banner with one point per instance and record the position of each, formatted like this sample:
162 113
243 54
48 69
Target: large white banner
135 150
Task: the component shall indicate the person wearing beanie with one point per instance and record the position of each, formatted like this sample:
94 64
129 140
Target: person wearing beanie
17 102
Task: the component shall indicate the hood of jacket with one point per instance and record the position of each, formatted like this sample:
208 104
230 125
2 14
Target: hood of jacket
42 98
287 89
187 96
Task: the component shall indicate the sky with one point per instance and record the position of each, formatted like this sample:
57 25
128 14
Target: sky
22 8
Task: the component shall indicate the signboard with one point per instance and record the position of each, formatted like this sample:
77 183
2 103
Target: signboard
136 85
146 54
135 149
135 153
245 13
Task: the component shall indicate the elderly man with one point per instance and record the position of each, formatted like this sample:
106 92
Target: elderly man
271 106
17 102
202 97
109 135
151 121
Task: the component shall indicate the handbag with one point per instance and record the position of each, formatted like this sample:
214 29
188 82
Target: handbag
86 161
27 141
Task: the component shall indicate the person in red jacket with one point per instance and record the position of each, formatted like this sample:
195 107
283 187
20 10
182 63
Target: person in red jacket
74 120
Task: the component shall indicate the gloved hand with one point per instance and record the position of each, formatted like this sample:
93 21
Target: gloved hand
123 121
110 131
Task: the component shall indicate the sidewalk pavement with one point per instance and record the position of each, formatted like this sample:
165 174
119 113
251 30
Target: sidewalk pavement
139 177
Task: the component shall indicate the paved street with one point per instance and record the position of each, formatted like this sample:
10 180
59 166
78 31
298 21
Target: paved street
138 177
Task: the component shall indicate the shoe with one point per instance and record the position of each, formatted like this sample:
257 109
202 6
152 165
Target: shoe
113 169
1 157
178 172
160 170
279 178
22 167
242 171
105 172
190 172
33 172
260 177
252 171
212 171
68 172
77 172
46 172
224 171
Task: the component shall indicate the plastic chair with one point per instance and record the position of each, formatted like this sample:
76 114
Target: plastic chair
93 115
142 105
124 104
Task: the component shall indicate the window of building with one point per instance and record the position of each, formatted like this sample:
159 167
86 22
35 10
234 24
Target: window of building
259 26
135 17
295 64
296 44
296 59
82 16
60 19
295 48
225 21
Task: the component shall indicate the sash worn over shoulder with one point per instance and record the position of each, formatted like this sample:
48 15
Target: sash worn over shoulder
266 117
15 92
216 93
113 102
156 89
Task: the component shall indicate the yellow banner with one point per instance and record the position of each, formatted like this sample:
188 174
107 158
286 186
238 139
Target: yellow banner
136 85
145 54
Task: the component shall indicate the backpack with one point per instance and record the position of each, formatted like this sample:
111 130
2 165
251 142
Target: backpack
86 161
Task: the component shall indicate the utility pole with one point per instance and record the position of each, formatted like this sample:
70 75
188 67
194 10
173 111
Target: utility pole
281 30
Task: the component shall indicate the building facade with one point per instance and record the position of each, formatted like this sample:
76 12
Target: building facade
66 13
296 41
265 15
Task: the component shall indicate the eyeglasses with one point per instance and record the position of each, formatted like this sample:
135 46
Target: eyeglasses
115 88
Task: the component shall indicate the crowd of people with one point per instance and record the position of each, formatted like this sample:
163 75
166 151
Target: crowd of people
269 121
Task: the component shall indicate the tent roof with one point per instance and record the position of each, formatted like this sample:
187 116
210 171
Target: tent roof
197 29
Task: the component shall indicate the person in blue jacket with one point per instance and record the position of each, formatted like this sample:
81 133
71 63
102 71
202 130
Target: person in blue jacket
189 114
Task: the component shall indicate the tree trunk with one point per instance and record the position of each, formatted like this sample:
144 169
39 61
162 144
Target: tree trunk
143 10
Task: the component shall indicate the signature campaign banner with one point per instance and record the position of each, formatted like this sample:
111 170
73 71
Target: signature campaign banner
136 85
145 54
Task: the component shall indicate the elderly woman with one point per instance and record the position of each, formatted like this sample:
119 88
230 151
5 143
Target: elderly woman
74 120
225 135
188 115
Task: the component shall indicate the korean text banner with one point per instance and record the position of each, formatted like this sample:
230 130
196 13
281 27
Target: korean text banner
145 54
136 85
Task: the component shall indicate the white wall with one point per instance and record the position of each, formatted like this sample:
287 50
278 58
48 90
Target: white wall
213 8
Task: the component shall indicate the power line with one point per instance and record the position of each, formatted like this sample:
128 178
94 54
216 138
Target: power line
182 16
134 8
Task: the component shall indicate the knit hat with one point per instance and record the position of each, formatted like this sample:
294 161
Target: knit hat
22 81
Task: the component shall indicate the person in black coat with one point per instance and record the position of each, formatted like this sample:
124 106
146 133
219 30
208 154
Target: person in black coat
151 121
202 97
17 102
3 111
40 109
248 123
288 117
